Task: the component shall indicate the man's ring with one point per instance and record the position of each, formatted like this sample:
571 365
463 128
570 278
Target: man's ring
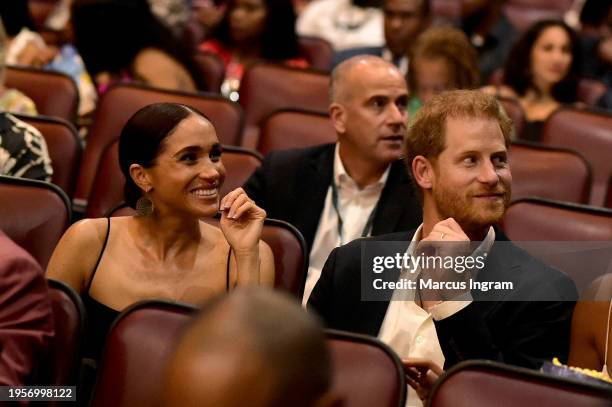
442 236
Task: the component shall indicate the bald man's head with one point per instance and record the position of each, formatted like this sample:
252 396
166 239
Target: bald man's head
254 347
350 72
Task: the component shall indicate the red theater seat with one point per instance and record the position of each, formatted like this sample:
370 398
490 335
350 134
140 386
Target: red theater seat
54 93
266 88
547 172
34 214
589 133
486 383
317 51
69 324
136 352
294 128
366 372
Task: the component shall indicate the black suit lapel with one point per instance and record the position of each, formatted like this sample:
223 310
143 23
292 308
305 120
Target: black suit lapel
315 178
397 201
372 313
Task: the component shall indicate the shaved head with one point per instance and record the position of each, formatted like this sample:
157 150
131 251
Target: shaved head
348 73
254 347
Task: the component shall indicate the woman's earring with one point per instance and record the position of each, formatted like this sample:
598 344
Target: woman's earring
144 206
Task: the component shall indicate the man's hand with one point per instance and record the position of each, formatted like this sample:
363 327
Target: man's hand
421 375
446 242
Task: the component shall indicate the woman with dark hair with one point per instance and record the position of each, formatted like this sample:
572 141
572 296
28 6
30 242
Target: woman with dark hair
542 72
250 31
121 40
171 159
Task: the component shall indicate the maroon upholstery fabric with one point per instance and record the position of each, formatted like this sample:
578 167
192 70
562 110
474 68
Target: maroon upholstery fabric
515 113
317 51
120 102
480 384
212 70
54 94
366 372
64 149
136 353
609 198
590 134
69 321
538 219
26 320
590 90
107 190
541 221
266 88
523 13
549 173
35 215
295 129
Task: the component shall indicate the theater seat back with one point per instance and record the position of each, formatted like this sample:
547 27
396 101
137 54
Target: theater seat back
366 372
486 383
136 352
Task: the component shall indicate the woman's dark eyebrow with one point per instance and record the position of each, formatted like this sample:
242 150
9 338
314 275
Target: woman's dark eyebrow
190 149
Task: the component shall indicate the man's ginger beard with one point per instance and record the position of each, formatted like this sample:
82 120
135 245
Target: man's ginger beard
471 213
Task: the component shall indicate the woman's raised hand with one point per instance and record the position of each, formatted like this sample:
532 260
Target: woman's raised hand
241 221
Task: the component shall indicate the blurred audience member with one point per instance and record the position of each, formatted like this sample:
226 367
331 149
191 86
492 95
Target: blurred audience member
255 348
542 73
591 341
596 40
25 47
26 319
171 159
344 23
23 150
208 14
335 193
251 31
121 40
442 59
404 21
11 100
174 14
489 31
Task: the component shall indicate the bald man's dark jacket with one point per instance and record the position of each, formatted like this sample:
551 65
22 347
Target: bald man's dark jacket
291 185
512 331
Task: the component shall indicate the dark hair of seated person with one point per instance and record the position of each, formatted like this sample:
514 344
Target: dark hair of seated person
110 34
278 41
517 71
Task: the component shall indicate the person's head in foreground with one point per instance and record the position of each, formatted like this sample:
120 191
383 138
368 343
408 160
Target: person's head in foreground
545 60
368 110
456 152
171 158
442 59
255 348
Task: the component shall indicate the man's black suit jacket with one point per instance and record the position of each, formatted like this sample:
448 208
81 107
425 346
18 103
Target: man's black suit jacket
291 185
511 331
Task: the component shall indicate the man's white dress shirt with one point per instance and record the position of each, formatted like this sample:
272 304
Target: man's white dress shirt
355 206
408 329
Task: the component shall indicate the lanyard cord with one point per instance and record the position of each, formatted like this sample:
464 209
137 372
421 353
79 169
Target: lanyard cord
335 203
